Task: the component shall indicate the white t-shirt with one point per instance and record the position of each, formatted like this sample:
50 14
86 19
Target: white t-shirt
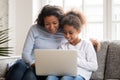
87 60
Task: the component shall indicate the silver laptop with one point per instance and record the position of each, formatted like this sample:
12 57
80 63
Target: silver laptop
55 62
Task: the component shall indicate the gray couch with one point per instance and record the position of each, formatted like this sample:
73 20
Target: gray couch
108 62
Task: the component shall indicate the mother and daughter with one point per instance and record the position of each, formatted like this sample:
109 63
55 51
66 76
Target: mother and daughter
57 30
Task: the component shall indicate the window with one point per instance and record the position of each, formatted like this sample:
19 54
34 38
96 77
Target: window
103 16
93 10
116 19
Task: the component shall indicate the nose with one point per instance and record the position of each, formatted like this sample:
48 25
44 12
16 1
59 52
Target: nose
51 26
67 35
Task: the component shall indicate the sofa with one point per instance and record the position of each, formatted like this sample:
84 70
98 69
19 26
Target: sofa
108 62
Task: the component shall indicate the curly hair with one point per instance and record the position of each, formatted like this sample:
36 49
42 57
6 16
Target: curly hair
49 10
74 18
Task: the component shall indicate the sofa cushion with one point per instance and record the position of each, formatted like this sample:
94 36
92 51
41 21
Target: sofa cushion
101 56
113 61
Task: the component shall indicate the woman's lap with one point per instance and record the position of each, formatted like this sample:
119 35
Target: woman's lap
29 75
21 71
16 71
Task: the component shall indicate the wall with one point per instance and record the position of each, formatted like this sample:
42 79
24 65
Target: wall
20 20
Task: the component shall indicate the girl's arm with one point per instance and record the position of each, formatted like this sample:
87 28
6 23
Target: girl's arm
90 60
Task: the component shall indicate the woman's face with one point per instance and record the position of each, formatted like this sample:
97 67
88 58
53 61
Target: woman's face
51 24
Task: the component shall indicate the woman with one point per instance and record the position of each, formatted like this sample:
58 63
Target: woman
46 34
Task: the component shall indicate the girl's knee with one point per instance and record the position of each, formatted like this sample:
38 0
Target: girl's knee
79 78
67 78
52 78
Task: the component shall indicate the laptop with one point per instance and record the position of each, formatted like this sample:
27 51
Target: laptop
55 62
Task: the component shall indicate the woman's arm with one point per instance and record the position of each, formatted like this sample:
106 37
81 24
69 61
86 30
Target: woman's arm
28 47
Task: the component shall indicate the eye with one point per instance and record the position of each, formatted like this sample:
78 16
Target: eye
55 23
70 32
46 24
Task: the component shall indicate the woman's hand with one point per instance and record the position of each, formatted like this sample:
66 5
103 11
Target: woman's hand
96 44
33 65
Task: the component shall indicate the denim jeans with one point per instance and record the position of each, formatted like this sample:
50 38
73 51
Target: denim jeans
20 71
65 78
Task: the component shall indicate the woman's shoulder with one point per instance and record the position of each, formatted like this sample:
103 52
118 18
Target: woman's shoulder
34 27
37 29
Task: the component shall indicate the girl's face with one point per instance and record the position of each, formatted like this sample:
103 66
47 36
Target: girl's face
71 34
51 24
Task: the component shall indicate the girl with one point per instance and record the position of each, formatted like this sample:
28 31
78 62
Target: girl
72 24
